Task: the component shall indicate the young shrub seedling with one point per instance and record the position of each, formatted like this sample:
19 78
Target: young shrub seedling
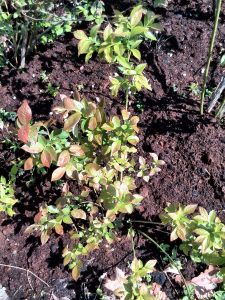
94 150
131 81
119 43
202 235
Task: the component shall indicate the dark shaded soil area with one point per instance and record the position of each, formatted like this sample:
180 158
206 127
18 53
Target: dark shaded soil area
192 146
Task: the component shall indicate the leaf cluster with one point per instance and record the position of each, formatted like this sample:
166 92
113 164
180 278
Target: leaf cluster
7 197
96 151
202 233
134 286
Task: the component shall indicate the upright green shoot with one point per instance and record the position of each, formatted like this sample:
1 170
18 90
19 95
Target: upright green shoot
212 42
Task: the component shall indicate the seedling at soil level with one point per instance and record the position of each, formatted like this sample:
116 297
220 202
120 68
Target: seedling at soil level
131 81
134 286
202 234
96 151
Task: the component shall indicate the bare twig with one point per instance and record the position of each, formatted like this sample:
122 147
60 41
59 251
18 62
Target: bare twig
212 42
27 271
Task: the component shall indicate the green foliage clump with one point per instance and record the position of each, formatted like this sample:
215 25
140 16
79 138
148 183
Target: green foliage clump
91 11
202 234
119 43
7 198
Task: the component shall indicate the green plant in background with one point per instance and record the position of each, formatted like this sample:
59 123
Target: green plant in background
6 116
7 198
121 38
25 23
94 150
91 11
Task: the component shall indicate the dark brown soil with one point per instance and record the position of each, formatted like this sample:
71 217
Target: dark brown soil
192 146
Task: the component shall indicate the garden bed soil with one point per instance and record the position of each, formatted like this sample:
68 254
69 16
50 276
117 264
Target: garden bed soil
192 146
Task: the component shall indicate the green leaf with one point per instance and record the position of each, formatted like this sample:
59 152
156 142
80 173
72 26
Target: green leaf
138 30
67 220
140 68
150 36
94 30
136 53
52 209
80 34
133 140
83 46
124 62
107 32
136 15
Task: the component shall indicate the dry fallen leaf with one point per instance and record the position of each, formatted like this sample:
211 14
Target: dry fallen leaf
116 285
156 292
206 282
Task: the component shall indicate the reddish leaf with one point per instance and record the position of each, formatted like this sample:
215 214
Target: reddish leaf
29 163
24 113
77 150
63 159
23 133
72 121
92 123
68 103
58 173
46 159
37 217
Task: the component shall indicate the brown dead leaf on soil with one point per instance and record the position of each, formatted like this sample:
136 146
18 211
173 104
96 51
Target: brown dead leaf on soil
204 284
